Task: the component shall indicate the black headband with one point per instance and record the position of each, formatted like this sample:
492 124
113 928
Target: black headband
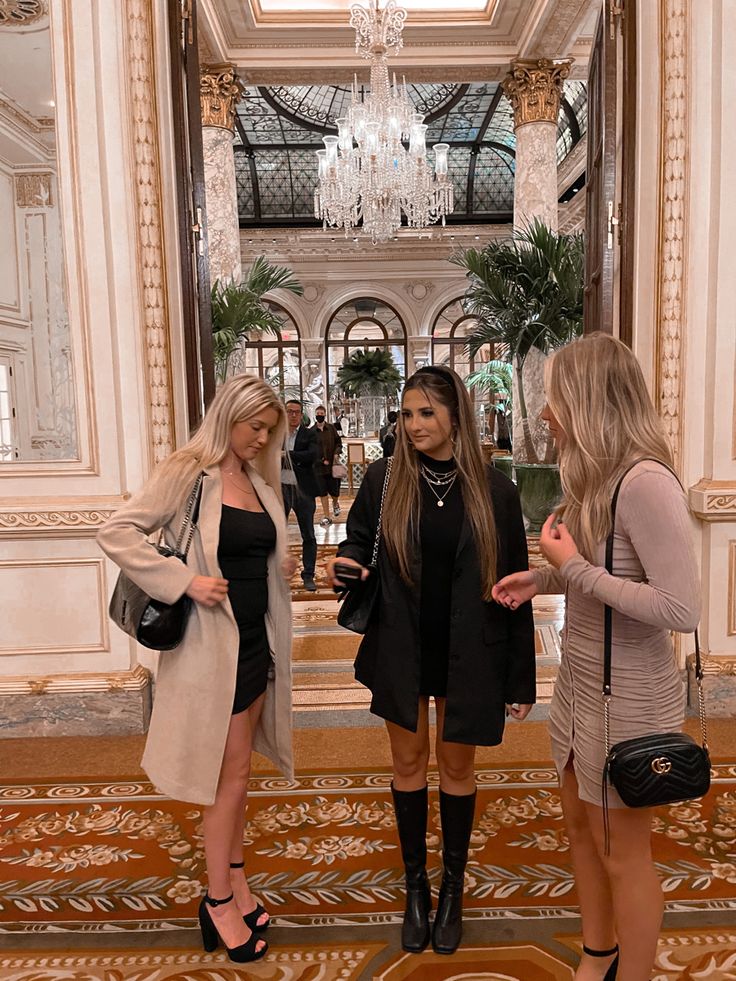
431 369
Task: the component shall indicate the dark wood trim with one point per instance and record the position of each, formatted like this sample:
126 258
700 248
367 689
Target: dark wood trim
189 171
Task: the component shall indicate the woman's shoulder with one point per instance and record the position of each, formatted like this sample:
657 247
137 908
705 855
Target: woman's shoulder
649 477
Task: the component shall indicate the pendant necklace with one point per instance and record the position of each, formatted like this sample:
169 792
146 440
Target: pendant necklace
229 473
443 480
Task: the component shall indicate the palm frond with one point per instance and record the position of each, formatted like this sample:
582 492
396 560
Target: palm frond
369 373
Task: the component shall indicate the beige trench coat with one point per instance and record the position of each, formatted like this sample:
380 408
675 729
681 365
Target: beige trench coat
195 683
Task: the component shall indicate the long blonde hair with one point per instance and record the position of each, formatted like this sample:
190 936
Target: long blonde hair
240 398
403 499
596 391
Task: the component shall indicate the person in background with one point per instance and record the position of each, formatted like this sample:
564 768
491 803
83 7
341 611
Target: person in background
338 423
451 525
387 435
298 484
226 689
330 448
605 426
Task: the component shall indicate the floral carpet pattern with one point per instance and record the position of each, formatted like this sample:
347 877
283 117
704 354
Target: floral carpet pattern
320 851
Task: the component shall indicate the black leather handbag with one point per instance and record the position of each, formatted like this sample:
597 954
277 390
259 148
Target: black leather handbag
156 625
660 768
358 602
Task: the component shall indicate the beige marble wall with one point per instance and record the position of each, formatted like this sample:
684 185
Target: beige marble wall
58 653
683 329
223 231
535 184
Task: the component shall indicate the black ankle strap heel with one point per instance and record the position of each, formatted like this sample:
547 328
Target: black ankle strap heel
610 974
251 919
241 954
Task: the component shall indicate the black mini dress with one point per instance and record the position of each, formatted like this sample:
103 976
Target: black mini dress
247 538
439 535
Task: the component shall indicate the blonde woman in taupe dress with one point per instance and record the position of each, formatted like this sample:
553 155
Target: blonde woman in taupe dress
602 419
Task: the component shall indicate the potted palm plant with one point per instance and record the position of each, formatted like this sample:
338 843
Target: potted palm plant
494 380
527 293
239 310
370 375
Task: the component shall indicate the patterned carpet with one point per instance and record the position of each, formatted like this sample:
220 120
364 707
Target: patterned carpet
102 880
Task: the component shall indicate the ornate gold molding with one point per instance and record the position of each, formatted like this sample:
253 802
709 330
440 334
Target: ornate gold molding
731 595
20 13
723 665
33 190
35 520
220 90
150 232
670 312
78 683
533 88
713 500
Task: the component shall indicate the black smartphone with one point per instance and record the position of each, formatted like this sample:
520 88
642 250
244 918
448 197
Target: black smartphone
348 574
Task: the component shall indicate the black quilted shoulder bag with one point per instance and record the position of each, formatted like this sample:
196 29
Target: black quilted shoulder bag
156 625
661 768
358 603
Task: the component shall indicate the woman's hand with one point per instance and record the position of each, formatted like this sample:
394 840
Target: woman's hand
207 590
288 567
518 711
513 590
330 568
556 543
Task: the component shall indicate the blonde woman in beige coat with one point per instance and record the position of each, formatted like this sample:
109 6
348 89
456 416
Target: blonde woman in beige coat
226 690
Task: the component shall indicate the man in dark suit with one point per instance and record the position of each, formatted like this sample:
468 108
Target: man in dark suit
299 486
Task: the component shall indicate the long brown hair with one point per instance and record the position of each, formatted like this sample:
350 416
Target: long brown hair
440 386
597 392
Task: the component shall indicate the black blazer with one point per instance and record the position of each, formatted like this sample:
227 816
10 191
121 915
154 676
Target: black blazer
492 658
304 456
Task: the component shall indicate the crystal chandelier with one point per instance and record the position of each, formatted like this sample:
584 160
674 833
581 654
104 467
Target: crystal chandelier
366 171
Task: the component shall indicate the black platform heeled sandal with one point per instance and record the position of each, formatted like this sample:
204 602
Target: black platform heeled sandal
241 954
610 974
251 919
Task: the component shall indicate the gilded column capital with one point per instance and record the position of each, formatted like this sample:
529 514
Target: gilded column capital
533 88
220 90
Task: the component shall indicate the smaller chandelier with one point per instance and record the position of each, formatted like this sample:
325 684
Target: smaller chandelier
376 168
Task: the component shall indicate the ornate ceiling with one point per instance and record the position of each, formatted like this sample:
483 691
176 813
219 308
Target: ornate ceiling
297 59
292 41
279 128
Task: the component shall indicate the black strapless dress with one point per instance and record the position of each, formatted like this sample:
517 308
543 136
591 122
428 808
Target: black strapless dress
247 538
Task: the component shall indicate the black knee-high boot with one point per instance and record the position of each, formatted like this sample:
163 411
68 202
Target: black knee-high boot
456 814
411 821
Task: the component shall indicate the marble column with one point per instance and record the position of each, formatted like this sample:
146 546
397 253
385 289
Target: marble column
534 88
220 89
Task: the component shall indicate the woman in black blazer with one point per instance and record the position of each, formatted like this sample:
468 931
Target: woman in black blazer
451 527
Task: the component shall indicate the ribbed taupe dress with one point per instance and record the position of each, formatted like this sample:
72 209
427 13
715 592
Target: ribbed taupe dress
654 589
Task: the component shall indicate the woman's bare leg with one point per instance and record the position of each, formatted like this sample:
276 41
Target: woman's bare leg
244 898
591 881
410 751
455 761
638 901
220 822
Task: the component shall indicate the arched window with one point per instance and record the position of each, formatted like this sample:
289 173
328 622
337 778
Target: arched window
360 324
278 360
450 333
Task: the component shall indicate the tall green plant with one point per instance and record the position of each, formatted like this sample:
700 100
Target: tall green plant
238 309
369 373
526 293
492 378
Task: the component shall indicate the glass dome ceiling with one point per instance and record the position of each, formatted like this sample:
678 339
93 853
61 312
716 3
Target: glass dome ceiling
279 128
